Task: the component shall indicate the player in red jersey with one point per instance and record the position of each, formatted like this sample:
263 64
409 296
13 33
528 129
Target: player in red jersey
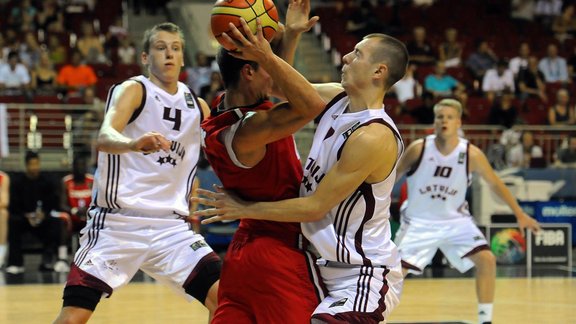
77 194
267 275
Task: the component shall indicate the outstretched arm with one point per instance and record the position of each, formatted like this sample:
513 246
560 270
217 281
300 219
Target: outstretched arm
479 163
368 156
409 158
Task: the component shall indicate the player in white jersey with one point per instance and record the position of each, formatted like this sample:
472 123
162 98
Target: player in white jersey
436 215
345 193
150 143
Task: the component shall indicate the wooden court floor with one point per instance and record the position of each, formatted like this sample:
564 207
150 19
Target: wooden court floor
518 300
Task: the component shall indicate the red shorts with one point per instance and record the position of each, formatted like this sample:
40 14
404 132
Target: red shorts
266 279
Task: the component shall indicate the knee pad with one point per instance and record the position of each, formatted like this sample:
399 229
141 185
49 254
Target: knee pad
80 296
199 286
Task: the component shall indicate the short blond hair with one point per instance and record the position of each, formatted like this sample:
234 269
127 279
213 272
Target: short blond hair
449 103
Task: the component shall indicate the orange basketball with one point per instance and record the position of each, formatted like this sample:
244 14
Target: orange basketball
230 11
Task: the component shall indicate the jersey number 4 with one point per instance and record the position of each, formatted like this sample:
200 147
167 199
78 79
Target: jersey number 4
177 119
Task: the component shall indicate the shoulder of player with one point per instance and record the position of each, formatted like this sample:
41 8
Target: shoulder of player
328 91
474 151
374 136
129 92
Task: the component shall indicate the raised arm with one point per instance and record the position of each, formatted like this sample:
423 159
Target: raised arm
125 100
368 156
479 164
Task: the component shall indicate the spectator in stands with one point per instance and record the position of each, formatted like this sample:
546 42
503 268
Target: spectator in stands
424 114
521 61
522 14
77 193
408 87
497 80
531 82
566 155
362 20
30 51
547 10
450 51
553 66
4 203
43 76
76 75
50 18
14 76
421 52
199 74
86 127
210 91
562 112
441 84
32 197
524 154
482 60
564 25
57 51
90 45
12 42
126 51
115 32
572 65
503 111
21 15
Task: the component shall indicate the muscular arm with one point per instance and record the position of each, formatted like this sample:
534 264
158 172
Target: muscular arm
479 164
409 158
368 156
125 101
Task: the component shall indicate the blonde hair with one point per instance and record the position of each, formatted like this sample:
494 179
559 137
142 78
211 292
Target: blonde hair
449 103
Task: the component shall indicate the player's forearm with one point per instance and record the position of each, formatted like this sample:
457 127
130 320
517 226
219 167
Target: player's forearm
290 210
303 98
113 142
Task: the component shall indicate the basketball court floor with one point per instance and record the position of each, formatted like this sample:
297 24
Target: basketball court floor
439 296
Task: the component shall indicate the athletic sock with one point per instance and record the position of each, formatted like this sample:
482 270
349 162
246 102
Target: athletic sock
63 252
2 254
485 313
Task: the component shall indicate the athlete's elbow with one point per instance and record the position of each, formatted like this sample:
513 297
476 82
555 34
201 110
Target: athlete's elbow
315 213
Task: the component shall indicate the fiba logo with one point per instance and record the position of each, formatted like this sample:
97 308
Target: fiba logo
509 246
550 238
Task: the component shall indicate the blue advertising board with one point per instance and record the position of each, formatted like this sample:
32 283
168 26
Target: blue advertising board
553 212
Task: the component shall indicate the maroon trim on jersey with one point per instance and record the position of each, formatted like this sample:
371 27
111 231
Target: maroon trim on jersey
341 219
366 192
468 162
93 233
374 121
415 166
476 250
138 110
315 277
208 258
79 277
407 265
381 302
363 289
329 105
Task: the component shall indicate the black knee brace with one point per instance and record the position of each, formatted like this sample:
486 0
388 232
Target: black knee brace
200 285
80 296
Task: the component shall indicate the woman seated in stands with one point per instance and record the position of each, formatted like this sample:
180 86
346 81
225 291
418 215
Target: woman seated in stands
561 113
43 76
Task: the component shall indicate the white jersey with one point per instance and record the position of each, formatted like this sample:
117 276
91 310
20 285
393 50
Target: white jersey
356 231
156 184
437 184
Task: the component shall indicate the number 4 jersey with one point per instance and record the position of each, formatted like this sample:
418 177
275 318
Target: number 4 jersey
156 184
437 184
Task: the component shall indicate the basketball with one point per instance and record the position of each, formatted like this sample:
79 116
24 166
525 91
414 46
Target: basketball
230 11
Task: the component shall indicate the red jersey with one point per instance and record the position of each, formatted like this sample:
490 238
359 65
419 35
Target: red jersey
276 177
79 194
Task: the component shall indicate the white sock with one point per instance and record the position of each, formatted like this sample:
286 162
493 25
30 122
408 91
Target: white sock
63 252
485 313
2 254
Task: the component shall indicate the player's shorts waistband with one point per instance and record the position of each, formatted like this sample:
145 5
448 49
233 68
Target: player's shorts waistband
336 264
296 240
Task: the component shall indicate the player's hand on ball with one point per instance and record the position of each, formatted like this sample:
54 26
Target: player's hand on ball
297 16
250 47
150 142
